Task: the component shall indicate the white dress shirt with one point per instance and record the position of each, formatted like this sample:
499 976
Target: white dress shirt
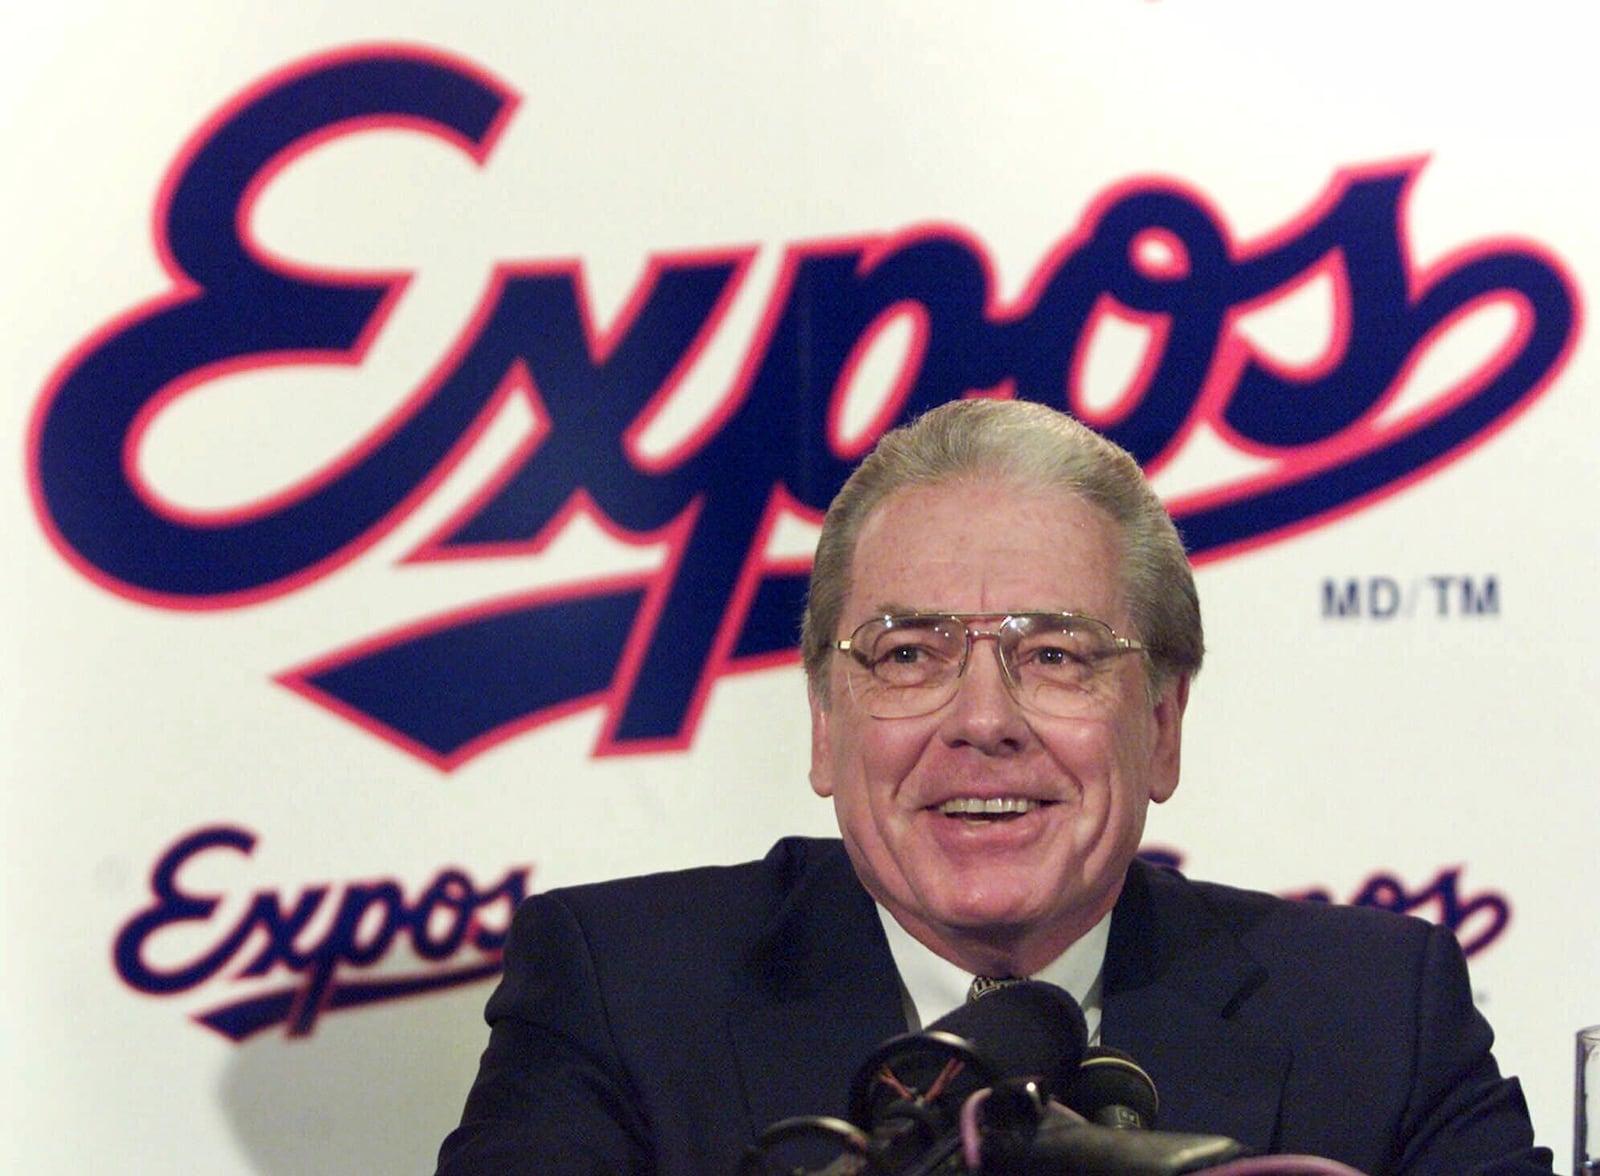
932 986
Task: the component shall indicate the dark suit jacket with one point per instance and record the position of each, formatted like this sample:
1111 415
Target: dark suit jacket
656 1024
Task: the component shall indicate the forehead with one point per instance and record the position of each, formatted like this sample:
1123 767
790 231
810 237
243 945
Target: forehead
984 545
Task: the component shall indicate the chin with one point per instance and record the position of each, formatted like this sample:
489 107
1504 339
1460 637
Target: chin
993 914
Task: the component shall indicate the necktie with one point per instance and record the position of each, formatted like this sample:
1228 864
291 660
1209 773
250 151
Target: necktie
983 985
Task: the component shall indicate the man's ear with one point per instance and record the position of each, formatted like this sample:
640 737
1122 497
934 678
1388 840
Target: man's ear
1166 753
821 749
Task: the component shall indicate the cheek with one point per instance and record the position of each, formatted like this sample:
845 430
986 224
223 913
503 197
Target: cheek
869 760
1130 727
1108 762
1087 750
1137 738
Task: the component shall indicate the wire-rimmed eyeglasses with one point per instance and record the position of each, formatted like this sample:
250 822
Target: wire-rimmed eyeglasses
910 664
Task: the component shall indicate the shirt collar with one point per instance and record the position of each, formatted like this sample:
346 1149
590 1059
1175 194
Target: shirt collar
932 986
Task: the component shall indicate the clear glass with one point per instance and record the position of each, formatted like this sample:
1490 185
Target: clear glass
908 665
1586 1105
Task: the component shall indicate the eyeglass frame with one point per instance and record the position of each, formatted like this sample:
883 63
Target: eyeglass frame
846 645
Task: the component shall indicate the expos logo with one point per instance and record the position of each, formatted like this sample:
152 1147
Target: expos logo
320 936
286 959
1478 918
1318 439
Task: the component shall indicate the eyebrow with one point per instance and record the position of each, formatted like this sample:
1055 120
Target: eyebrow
899 610
895 609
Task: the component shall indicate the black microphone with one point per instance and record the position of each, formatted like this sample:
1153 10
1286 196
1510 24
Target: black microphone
1112 1090
906 1097
1027 1029
909 1091
1112 1105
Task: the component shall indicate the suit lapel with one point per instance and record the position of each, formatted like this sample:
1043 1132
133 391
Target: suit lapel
1174 980
821 991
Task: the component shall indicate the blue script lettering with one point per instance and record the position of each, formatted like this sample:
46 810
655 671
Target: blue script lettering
650 650
368 919
1476 921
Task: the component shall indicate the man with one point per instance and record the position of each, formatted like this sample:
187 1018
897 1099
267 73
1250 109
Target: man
999 641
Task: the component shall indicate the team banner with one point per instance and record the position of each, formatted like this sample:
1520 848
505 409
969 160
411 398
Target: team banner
419 419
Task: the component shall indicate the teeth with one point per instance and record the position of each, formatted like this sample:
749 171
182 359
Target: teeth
979 806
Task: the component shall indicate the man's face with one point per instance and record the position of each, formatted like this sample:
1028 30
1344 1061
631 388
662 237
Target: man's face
1046 874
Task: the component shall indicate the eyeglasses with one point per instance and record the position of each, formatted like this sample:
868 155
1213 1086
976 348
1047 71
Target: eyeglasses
909 665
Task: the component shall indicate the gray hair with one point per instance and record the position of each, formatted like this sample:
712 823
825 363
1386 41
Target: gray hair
1034 446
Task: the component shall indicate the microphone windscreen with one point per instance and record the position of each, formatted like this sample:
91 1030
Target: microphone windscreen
1026 1030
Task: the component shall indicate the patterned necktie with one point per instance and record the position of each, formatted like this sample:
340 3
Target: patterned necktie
983 985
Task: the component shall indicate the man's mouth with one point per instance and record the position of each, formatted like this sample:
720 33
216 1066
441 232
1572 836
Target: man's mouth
989 808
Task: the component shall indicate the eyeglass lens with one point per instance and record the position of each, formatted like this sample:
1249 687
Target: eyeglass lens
904 666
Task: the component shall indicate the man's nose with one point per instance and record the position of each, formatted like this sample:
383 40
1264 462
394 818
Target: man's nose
984 712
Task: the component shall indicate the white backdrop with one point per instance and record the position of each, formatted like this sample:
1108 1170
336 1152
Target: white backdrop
1428 740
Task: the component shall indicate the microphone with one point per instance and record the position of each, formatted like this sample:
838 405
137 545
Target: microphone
906 1096
1028 1029
1103 1129
1112 1090
909 1091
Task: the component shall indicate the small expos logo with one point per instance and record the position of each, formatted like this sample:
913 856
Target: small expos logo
293 957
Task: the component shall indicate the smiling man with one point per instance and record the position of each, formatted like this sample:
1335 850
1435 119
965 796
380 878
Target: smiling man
992 804
999 642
